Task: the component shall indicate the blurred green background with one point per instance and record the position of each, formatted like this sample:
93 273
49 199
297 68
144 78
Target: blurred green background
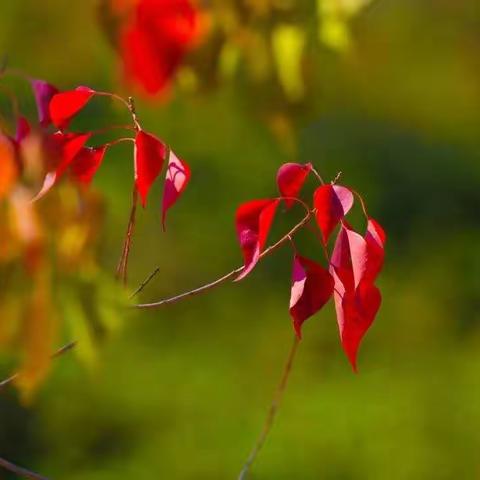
181 393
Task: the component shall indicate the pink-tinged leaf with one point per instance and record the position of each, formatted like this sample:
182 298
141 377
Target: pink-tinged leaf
312 287
61 148
290 180
375 239
86 163
64 106
43 92
23 129
332 203
357 300
253 221
177 177
150 153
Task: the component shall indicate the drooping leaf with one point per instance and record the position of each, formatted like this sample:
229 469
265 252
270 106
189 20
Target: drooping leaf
150 154
61 148
253 222
332 203
312 287
65 105
86 163
357 299
290 180
177 178
43 92
155 41
375 239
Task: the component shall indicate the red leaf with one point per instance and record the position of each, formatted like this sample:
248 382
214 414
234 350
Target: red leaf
332 202
61 149
357 300
253 222
375 238
177 178
150 153
290 180
312 287
64 106
86 163
23 129
155 42
43 93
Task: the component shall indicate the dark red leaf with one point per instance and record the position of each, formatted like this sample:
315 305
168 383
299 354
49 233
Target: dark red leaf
155 41
64 106
61 149
150 153
23 129
177 178
290 180
312 287
253 222
43 93
332 203
86 163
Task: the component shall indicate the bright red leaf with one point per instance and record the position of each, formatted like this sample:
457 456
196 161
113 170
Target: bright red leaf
61 149
357 300
64 106
155 41
86 163
290 180
332 203
375 239
177 178
253 222
43 92
312 287
150 153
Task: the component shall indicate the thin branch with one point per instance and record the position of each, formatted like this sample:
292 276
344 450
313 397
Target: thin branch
145 283
122 268
20 471
272 412
228 276
56 354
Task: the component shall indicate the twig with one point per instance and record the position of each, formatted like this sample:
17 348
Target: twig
228 276
20 471
122 267
272 412
56 354
144 283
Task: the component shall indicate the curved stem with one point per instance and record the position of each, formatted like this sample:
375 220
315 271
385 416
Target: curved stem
228 276
273 410
20 471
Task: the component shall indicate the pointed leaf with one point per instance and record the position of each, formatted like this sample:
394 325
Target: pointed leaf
357 300
150 153
177 178
86 163
62 148
332 202
253 222
43 93
312 287
290 180
64 106
375 239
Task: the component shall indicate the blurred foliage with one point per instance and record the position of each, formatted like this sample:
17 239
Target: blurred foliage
182 392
